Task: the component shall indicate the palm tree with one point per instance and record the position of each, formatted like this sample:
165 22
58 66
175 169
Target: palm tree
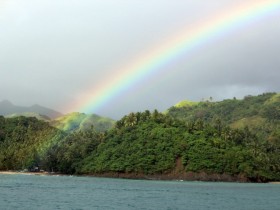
130 120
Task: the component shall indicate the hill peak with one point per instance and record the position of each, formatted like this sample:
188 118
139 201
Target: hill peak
6 103
185 103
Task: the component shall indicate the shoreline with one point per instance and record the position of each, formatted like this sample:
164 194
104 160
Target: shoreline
186 176
276 182
166 177
28 173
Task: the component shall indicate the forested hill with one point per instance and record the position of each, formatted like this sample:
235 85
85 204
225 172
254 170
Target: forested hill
79 121
232 140
252 111
25 142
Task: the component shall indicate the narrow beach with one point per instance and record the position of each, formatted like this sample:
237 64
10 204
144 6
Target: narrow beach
25 173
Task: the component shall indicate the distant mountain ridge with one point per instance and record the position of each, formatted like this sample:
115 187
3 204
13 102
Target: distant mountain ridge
30 114
8 108
70 122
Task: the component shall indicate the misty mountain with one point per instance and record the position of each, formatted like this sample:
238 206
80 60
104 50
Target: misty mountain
30 114
7 108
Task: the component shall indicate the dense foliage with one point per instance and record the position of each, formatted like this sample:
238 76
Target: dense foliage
24 142
254 109
233 137
152 143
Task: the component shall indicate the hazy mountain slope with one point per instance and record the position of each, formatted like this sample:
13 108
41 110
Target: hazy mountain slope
80 121
44 111
30 114
7 108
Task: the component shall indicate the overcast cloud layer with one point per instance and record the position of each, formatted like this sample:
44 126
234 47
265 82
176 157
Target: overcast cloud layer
52 51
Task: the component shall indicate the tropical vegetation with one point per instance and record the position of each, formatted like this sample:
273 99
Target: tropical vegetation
239 138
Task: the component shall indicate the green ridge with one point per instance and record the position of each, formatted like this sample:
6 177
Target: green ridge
185 103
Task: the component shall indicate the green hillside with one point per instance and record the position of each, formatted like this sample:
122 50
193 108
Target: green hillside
227 140
185 103
153 143
80 121
252 111
24 142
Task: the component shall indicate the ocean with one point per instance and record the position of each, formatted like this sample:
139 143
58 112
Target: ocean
20 191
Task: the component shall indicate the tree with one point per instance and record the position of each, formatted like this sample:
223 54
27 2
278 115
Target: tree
130 120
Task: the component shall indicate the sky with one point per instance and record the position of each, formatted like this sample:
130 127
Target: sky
58 53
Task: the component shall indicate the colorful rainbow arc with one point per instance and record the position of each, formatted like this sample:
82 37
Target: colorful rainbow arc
188 40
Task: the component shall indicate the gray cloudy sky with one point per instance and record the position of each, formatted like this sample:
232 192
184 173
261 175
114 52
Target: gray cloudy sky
53 51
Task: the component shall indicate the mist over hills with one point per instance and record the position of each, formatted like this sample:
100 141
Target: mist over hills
8 108
70 122
30 114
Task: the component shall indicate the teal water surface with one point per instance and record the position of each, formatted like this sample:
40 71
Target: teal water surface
70 192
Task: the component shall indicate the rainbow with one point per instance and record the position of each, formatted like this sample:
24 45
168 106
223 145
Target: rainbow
185 42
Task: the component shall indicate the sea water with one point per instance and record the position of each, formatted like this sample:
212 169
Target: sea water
72 192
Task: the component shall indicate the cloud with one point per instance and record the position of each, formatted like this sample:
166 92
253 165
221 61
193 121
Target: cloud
54 52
